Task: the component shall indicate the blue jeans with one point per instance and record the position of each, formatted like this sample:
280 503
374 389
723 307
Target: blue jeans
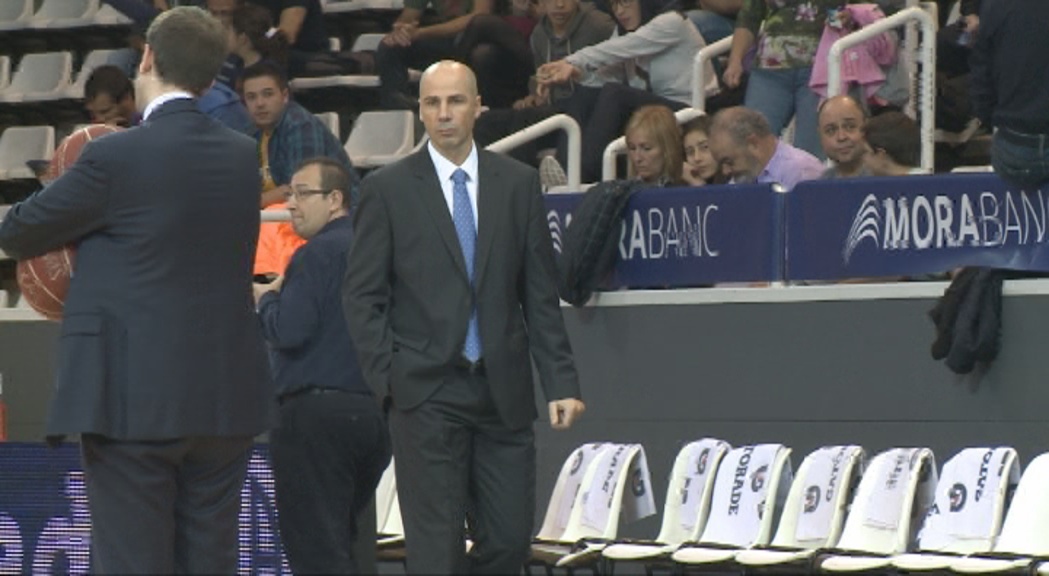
711 25
784 93
1021 165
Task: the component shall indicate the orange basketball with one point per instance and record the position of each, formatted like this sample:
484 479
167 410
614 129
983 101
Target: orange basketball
44 280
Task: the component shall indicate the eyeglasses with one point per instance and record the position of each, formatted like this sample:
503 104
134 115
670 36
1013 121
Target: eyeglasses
299 193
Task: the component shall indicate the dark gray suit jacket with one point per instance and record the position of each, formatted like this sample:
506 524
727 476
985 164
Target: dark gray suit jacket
407 297
159 339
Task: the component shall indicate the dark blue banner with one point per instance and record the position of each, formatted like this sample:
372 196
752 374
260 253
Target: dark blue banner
680 237
913 225
45 526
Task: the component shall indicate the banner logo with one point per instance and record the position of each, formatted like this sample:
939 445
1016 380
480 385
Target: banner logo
866 224
553 222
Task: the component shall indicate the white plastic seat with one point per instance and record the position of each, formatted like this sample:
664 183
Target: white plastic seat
970 504
40 76
381 137
814 513
65 14
385 494
331 120
892 498
1025 532
15 14
751 484
591 524
93 60
363 43
110 16
19 144
688 503
5 72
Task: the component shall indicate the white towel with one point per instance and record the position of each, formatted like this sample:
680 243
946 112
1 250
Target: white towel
702 457
823 482
739 501
966 498
894 474
599 496
581 460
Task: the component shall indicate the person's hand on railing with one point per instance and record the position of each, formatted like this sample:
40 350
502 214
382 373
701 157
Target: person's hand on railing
557 72
733 73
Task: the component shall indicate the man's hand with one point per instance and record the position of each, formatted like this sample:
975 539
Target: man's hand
972 24
733 73
402 34
564 412
526 102
261 289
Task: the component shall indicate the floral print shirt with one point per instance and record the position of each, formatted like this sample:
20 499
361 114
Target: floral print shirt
788 31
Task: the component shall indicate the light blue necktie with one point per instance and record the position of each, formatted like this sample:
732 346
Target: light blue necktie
463 217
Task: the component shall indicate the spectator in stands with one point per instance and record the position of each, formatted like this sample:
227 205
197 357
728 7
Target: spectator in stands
251 38
787 34
109 97
747 150
301 24
287 134
893 145
496 46
715 19
1010 88
653 143
699 168
647 62
330 446
841 120
411 45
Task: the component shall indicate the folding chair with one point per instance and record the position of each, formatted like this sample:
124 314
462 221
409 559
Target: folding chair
688 503
594 518
41 76
751 483
814 512
966 518
381 137
893 496
1025 534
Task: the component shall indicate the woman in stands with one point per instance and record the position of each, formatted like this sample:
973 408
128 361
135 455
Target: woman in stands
253 38
653 143
648 61
699 168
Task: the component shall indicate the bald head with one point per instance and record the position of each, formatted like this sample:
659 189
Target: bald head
449 71
448 107
841 121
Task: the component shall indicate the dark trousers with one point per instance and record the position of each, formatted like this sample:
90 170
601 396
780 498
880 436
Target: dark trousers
500 57
603 114
328 451
455 459
165 506
392 64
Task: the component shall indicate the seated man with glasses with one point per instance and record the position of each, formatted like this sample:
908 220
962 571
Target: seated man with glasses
330 445
286 134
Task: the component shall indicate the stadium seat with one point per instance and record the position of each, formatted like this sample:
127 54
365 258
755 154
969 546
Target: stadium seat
363 43
65 14
751 483
5 72
593 520
1025 532
688 503
966 517
15 14
110 16
41 76
893 497
385 494
331 120
19 144
380 137
343 6
94 59
805 527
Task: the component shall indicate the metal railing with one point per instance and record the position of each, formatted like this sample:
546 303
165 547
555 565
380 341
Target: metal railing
557 122
699 77
618 146
926 57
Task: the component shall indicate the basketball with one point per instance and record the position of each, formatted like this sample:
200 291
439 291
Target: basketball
44 280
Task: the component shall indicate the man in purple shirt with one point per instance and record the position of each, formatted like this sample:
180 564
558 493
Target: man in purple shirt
745 148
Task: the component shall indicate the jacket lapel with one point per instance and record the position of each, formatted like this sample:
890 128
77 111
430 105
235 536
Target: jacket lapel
487 207
432 197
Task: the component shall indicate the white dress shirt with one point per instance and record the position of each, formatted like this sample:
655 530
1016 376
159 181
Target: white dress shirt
164 99
445 168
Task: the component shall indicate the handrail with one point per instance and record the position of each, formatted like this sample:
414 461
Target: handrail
699 95
927 83
542 128
275 215
617 146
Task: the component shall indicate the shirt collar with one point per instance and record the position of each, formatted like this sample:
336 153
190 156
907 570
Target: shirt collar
164 99
445 167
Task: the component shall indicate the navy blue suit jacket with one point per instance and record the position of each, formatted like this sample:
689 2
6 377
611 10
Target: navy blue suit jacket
159 338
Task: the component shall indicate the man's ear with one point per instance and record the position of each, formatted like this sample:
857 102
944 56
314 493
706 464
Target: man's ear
146 65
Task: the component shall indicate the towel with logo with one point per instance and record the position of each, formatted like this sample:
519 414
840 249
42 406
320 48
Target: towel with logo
703 457
599 497
823 482
894 474
740 490
967 496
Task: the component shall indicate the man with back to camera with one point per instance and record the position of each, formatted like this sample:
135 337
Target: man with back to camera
330 446
840 120
161 366
449 293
